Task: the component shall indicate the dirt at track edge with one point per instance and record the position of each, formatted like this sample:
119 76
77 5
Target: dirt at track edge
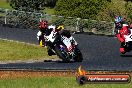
25 74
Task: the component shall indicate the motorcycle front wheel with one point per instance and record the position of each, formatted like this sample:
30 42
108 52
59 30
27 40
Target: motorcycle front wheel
78 55
62 54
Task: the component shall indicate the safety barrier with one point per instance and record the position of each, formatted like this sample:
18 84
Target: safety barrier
29 20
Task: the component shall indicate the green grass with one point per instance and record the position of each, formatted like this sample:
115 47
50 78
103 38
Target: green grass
49 10
53 82
19 51
4 4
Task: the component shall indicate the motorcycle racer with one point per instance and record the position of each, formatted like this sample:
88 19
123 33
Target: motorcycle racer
56 30
43 26
61 43
121 29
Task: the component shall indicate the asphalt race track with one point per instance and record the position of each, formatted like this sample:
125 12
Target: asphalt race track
99 52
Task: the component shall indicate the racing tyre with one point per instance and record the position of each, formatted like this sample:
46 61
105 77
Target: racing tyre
78 56
62 54
50 52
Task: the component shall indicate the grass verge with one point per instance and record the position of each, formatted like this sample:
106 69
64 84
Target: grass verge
11 50
4 4
48 10
53 82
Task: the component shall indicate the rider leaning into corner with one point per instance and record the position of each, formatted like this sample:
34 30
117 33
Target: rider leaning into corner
59 29
121 30
45 30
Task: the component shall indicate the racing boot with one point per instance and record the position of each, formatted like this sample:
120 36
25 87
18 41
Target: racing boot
41 43
122 50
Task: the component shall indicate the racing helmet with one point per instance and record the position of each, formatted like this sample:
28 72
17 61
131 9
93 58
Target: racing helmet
60 27
118 19
43 24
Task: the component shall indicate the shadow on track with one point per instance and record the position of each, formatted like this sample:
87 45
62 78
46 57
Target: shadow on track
60 61
126 55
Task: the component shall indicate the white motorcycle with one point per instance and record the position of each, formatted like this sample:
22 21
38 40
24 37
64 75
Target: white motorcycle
63 45
128 41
